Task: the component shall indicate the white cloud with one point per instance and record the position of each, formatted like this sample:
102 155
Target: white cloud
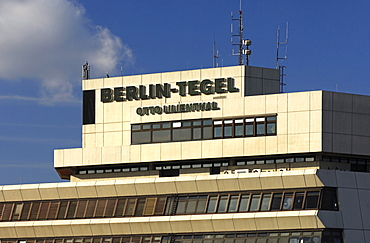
48 41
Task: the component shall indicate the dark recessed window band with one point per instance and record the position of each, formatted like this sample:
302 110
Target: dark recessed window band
254 201
327 235
202 129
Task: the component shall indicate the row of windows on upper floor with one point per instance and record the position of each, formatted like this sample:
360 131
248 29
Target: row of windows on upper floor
196 165
202 129
325 236
277 200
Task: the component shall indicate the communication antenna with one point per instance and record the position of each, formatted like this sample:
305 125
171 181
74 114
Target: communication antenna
215 55
279 58
86 71
243 45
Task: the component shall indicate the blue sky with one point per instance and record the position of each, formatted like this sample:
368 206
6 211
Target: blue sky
44 43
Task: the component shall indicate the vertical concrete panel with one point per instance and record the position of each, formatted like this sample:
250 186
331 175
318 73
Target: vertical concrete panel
350 208
354 236
364 198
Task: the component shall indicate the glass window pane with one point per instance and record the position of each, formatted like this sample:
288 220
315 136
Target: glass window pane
254 202
202 201
276 201
135 127
159 207
222 204
161 136
149 206
260 119
228 132
71 209
100 207
207 122
217 122
181 134
91 208
17 211
53 210
243 207
140 207
130 207
181 206
212 204
271 128
190 208
81 206
298 200
25 211
197 123
260 128
207 132
217 132
197 133
186 124
62 209
120 207
140 137
249 120
233 203
166 125
156 126
249 130
312 199
271 118
329 200
288 201
238 130
265 201
147 126
111 204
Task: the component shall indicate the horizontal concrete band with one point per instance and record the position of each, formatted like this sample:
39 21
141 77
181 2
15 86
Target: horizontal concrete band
247 222
171 185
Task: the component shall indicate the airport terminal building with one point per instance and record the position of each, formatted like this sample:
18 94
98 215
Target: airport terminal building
209 155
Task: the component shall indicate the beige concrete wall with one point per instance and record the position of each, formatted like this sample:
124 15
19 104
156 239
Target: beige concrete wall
299 130
294 220
346 127
308 178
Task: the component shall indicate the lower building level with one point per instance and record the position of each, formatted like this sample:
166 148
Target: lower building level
307 205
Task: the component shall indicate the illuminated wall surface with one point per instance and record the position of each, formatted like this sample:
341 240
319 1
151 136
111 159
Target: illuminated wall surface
208 155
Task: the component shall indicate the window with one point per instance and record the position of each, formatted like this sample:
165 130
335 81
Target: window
188 130
276 201
253 201
288 201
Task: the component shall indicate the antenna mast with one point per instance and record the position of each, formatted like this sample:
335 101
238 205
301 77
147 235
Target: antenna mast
215 55
86 71
243 45
285 57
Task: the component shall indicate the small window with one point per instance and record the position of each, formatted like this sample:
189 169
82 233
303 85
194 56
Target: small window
233 203
212 202
222 204
312 200
254 202
276 201
265 204
298 200
288 201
